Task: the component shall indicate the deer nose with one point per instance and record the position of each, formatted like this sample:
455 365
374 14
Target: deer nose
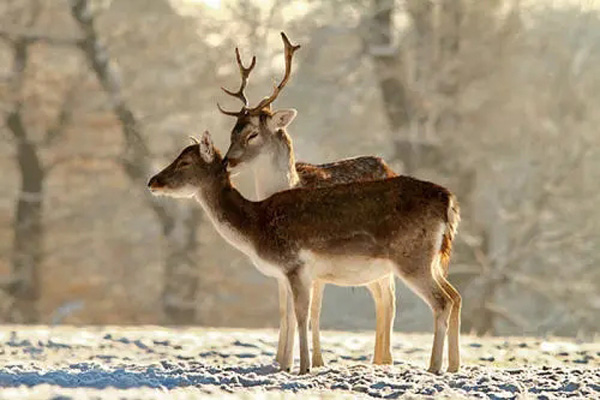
229 162
154 182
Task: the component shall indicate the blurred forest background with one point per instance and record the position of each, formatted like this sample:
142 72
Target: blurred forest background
496 99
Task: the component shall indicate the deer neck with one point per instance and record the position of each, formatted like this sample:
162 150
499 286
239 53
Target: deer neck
232 215
275 169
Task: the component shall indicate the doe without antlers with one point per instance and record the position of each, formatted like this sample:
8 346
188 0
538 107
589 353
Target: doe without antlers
349 234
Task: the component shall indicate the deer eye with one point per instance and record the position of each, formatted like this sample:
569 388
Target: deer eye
252 136
184 163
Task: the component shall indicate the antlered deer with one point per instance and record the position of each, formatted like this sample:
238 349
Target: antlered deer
350 234
260 142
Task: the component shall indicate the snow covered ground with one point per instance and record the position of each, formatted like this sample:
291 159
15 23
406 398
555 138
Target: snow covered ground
58 363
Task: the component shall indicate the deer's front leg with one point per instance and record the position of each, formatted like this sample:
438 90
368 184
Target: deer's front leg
388 297
300 283
375 290
283 326
288 325
315 315
384 295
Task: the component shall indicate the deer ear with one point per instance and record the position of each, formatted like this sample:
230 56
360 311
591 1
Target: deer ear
282 118
207 149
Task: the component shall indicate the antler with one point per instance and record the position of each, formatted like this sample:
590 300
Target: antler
289 54
244 72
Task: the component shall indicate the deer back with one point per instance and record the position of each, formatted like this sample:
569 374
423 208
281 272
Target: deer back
360 218
364 168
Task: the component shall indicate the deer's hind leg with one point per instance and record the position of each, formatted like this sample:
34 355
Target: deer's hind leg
454 325
420 278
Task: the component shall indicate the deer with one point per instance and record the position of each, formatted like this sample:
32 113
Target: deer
353 234
260 142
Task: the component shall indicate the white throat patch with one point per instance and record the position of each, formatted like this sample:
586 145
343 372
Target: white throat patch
272 174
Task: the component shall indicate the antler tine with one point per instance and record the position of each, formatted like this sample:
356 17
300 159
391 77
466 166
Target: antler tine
230 113
244 73
289 54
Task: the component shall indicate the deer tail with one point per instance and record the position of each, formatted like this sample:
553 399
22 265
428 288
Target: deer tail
452 220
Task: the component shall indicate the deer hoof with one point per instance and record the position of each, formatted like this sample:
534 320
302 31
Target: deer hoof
453 368
387 360
317 362
435 371
304 371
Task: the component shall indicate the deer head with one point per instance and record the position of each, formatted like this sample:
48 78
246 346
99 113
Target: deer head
190 170
256 127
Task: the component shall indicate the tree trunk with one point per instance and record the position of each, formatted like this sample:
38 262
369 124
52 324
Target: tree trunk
181 272
484 319
181 277
388 66
390 73
24 286
24 283
405 110
448 52
421 13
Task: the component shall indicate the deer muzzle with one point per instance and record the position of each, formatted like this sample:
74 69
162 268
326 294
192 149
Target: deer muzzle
155 183
230 163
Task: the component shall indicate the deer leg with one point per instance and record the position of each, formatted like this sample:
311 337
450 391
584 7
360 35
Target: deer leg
300 283
283 329
454 325
290 329
388 295
427 287
375 290
315 314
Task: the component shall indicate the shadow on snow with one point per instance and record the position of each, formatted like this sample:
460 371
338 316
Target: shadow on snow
170 376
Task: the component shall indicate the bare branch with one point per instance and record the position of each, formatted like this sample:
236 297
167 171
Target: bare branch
19 34
532 231
65 114
135 161
60 161
8 283
20 54
36 11
509 316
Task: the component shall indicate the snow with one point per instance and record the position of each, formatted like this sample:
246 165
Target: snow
150 362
